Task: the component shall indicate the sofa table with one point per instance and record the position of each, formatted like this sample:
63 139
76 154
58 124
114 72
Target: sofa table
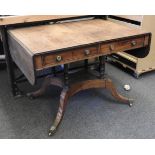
37 47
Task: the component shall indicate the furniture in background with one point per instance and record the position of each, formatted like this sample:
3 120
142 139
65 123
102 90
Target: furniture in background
1 49
135 60
36 43
2 56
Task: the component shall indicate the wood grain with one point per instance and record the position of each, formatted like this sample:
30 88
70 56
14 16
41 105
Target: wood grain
23 59
41 45
45 38
126 44
68 92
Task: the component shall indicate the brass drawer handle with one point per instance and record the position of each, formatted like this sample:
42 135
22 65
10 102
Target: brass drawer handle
111 47
133 43
87 52
58 58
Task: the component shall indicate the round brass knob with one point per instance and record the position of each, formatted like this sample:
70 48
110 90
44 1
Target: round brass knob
87 52
133 43
111 47
58 58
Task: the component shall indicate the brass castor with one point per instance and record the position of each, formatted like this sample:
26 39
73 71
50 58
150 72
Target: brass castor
130 104
74 88
52 131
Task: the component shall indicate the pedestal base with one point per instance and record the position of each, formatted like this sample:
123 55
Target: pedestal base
68 91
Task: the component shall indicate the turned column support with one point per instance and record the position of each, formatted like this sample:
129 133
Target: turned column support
74 88
86 64
102 66
66 75
54 71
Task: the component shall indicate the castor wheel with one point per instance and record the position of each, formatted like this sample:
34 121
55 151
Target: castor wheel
130 104
52 131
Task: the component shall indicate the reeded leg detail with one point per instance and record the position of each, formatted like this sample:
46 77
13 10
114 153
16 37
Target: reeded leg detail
67 92
62 105
102 66
86 64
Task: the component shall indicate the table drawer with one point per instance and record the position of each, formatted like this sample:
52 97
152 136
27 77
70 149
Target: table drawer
48 60
123 45
83 53
57 58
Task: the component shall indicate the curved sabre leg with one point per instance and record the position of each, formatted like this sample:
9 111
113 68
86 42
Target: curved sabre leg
47 82
62 105
67 92
110 86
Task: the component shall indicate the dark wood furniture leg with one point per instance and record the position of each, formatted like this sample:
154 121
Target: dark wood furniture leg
86 64
66 75
75 88
54 71
10 66
49 80
68 91
102 66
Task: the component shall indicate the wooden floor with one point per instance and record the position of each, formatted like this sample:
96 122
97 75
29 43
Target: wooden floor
59 36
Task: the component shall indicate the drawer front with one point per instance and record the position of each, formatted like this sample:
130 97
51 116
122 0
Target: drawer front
83 53
48 60
122 45
59 58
